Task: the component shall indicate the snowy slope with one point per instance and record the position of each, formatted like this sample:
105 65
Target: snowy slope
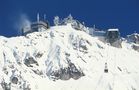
63 58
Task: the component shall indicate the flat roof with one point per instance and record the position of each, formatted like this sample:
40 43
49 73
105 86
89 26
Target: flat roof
116 29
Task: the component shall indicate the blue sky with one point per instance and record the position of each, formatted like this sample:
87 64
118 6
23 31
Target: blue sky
122 14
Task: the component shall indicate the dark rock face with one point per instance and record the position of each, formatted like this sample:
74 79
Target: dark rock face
6 86
14 80
135 47
66 73
39 55
38 72
74 72
30 60
83 47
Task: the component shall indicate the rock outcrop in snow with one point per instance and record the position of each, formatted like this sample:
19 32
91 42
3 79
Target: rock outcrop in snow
133 38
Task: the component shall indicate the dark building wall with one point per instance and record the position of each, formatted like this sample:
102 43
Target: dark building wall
35 27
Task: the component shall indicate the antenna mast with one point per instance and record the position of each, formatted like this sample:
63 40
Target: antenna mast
38 17
94 26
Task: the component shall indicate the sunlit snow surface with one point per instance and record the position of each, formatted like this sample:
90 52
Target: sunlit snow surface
53 45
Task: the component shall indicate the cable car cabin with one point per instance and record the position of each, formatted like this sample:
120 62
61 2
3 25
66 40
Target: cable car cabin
112 35
106 68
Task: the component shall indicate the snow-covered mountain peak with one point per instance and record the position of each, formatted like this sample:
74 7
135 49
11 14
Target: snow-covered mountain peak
63 58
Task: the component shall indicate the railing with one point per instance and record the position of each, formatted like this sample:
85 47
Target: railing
40 23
